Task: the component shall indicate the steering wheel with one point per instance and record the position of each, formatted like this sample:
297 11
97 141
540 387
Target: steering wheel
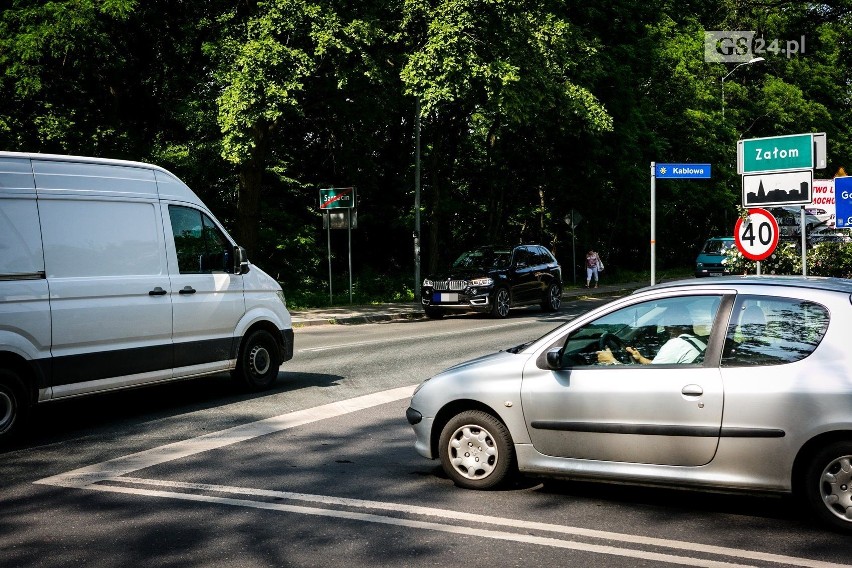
617 346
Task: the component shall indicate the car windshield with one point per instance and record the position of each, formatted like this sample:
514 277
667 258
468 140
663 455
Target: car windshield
484 258
717 247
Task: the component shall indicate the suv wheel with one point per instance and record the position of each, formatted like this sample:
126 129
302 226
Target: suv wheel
553 299
501 304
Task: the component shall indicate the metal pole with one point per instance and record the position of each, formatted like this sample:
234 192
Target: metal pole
804 241
417 200
349 218
328 240
573 247
653 222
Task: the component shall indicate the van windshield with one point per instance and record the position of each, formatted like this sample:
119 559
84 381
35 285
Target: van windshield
717 246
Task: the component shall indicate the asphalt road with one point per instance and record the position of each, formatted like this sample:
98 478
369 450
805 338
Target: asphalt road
321 471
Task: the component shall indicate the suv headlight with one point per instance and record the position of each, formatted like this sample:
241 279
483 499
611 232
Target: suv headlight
428 283
481 282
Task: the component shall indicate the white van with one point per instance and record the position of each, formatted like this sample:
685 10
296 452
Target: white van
113 275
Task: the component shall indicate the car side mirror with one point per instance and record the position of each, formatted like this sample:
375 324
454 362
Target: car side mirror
241 263
554 359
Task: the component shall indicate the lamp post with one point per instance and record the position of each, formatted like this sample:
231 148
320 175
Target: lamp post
749 62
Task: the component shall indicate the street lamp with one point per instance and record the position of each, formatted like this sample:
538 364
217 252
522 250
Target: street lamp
749 62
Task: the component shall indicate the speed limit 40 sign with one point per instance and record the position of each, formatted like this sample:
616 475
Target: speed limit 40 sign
757 236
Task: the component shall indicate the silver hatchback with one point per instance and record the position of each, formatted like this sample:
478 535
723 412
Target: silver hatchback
740 383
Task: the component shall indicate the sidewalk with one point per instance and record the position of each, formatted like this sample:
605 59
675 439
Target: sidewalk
350 315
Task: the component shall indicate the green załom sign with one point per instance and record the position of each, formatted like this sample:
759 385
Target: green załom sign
795 152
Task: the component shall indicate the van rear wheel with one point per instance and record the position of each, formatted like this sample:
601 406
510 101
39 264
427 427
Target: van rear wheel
13 404
258 364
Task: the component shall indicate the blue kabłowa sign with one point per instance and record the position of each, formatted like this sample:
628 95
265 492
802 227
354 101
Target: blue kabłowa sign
682 171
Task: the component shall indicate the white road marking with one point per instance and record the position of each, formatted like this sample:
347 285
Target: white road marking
113 471
185 448
448 514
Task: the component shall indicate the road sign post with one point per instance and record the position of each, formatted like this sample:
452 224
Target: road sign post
669 171
779 170
757 236
338 198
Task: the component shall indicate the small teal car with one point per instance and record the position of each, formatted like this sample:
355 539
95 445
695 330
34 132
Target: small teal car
709 260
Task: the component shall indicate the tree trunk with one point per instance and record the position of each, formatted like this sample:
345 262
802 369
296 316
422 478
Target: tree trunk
248 200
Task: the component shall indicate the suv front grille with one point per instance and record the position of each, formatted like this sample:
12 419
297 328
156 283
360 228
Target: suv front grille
450 284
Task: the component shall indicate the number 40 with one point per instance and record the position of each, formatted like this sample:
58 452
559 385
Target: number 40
764 233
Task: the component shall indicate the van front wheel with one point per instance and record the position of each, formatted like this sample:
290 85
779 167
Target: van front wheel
258 365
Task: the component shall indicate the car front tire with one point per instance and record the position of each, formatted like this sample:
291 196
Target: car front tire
258 365
501 304
476 450
553 299
828 485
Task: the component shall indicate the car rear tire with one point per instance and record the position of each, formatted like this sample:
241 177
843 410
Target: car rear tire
828 485
257 366
433 313
501 304
13 405
476 450
553 299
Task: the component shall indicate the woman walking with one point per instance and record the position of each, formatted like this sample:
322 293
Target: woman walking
593 267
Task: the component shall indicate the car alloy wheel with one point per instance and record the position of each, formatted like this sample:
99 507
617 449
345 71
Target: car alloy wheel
476 450
553 299
829 485
500 309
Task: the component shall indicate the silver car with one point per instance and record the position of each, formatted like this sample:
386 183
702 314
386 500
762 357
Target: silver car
739 383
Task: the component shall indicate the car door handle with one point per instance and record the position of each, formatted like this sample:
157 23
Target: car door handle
187 290
692 390
157 292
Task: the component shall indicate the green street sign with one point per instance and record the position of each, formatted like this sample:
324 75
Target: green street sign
337 198
794 152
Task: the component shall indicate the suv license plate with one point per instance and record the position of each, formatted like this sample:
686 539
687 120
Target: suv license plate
444 298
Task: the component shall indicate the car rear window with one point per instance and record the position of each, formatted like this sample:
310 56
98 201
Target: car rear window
773 331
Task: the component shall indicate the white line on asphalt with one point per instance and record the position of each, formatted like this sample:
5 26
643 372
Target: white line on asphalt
418 511
112 470
127 464
464 531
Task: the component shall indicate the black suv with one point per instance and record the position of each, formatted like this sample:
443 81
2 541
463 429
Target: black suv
493 279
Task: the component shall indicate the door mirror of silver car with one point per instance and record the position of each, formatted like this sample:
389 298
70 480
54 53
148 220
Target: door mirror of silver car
554 359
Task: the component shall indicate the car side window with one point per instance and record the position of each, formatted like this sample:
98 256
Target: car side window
201 247
672 331
772 331
521 257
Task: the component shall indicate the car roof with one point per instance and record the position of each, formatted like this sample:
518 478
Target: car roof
744 282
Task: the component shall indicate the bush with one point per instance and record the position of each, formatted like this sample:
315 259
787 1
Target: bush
824 259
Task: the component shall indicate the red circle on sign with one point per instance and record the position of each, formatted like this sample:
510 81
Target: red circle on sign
752 238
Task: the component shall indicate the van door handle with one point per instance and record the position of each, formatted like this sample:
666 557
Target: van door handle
157 292
187 290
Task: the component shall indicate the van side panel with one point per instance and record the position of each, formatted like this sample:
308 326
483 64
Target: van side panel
24 306
109 288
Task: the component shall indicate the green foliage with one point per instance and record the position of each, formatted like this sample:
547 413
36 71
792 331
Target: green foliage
823 259
528 111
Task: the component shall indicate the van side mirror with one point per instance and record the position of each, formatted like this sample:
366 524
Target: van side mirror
241 263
